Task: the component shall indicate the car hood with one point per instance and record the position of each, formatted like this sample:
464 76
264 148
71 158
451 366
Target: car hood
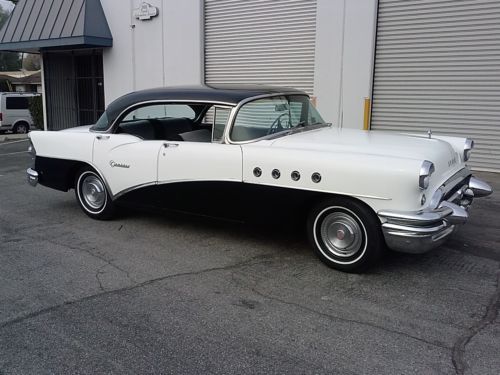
332 139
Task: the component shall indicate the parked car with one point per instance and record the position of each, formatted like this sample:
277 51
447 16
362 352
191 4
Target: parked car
14 112
358 190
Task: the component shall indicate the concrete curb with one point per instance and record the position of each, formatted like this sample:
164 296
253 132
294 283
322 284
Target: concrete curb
12 137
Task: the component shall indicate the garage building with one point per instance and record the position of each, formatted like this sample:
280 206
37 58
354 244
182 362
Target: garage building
426 64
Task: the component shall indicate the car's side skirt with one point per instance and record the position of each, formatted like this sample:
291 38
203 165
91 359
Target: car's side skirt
232 200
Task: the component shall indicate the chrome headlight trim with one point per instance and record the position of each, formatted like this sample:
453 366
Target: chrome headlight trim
468 146
426 170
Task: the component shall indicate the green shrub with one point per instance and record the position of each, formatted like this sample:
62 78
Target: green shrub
36 110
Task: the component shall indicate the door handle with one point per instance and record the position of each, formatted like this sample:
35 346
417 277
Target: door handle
102 136
169 145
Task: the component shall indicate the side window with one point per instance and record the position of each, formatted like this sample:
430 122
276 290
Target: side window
209 116
261 117
296 110
16 102
267 116
158 111
221 116
169 122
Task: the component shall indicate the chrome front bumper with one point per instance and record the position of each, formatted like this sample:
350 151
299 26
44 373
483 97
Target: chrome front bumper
32 176
420 231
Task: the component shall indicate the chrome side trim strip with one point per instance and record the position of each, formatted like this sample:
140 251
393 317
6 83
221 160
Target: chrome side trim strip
119 194
136 187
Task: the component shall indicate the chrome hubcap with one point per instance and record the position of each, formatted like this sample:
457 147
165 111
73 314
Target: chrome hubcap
341 234
93 192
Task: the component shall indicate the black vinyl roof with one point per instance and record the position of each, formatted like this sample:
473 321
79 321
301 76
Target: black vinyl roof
227 94
36 25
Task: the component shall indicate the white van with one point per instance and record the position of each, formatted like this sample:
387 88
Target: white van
14 111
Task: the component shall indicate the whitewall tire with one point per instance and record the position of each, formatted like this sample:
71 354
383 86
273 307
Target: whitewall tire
92 195
345 234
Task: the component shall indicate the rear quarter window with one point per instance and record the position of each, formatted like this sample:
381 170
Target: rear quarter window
16 102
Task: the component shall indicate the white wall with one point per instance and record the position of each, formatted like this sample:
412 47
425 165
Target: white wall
168 50
344 59
163 51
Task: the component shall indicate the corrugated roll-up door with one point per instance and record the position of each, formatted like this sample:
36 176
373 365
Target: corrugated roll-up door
260 42
437 66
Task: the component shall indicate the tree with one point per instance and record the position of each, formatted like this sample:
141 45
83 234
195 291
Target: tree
8 60
36 110
31 62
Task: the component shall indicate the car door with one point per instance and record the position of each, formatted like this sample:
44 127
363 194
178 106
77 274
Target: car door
197 162
126 161
201 161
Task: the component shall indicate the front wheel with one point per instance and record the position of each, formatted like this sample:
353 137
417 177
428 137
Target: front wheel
345 234
92 195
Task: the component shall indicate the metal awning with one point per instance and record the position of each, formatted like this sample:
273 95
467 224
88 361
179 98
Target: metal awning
36 25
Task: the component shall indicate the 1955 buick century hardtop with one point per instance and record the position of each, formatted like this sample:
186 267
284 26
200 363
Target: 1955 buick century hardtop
358 190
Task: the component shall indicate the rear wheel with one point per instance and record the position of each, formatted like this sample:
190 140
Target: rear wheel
345 234
21 128
93 196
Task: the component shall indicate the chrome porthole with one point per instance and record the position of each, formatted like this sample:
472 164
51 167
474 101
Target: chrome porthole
295 175
93 192
257 172
316 177
276 173
341 234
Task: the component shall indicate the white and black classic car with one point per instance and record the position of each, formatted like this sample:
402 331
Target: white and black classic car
358 191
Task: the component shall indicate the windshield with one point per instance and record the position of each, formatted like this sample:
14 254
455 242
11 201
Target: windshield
273 115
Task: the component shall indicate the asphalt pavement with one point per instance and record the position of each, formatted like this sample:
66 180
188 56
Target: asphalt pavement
166 293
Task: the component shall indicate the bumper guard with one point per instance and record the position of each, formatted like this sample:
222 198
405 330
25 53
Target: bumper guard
32 176
420 231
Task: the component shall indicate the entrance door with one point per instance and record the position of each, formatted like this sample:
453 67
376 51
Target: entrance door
89 88
74 88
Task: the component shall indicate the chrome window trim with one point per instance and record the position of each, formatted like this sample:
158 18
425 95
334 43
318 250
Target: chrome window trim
227 121
111 128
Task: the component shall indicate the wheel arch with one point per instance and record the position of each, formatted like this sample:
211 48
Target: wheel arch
61 174
319 197
77 166
21 119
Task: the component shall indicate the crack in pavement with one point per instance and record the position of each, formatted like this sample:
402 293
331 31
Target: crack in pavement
89 252
100 272
81 249
458 350
50 309
337 318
